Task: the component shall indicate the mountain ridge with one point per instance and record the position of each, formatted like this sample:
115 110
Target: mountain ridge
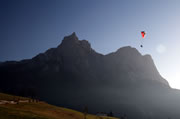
72 42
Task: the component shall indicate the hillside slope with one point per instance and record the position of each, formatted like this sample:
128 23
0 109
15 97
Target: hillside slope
40 110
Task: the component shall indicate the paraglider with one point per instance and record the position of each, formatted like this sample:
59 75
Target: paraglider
143 33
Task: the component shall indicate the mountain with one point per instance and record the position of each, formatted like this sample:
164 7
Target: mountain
73 75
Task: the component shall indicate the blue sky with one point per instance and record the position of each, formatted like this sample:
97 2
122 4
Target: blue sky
28 27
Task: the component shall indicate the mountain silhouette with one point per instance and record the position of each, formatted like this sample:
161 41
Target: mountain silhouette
74 75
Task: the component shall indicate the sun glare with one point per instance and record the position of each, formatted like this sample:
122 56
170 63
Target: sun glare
175 81
161 48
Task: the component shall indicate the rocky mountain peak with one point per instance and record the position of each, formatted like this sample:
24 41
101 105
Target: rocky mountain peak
127 51
72 42
70 39
85 44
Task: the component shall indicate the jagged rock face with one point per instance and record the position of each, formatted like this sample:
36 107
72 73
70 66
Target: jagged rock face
73 75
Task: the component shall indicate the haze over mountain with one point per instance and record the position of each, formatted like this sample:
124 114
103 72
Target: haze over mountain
73 75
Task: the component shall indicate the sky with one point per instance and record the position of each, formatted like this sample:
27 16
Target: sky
30 27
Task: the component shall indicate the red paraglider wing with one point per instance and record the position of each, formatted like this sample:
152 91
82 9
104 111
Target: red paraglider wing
143 34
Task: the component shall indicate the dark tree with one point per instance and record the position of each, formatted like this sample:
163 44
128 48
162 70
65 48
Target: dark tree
110 114
85 111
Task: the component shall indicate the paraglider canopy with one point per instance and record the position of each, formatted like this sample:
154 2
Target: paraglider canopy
143 33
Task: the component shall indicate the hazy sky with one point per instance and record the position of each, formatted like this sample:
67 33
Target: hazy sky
28 27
